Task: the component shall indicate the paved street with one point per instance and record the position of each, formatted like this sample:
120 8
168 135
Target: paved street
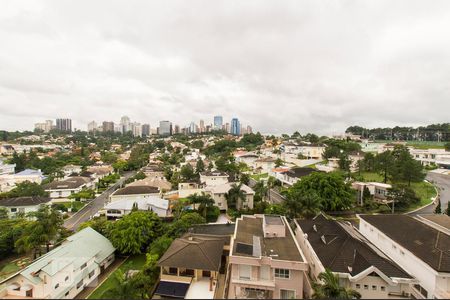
95 205
442 182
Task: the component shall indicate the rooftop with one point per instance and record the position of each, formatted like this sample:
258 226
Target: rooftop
224 188
214 173
194 252
250 241
142 203
136 190
441 220
343 249
70 183
301 172
427 243
24 201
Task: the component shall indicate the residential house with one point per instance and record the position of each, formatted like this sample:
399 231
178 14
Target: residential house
6 149
135 193
64 188
9 182
160 183
63 272
218 193
419 245
248 158
427 157
120 208
379 191
190 267
23 205
100 171
265 260
188 188
71 169
6 169
154 171
341 248
264 165
213 178
293 175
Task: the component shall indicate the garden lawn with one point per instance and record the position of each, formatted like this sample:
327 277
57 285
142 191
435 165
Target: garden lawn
77 204
258 177
132 263
8 269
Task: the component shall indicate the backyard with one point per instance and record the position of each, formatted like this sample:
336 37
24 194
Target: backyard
9 267
131 263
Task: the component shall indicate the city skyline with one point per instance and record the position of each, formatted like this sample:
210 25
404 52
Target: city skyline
294 70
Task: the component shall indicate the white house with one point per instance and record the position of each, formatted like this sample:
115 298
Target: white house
131 192
6 169
378 190
186 189
63 272
8 182
338 246
419 245
118 209
218 193
213 178
23 205
71 169
64 188
427 157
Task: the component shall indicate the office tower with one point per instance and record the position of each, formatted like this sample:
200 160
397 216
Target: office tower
118 128
45 126
64 125
249 129
218 122
165 128
227 127
235 127
202 126
108 126
136 129
146 129
176 129
125 122
92 126
192 128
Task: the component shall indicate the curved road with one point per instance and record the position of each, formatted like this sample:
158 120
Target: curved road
95 205
442 182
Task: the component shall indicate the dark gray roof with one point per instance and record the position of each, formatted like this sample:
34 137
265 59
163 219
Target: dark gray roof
301 172
194 252
343 249
427 243
24 201
213 229
439 219
137 190
69 183
213 173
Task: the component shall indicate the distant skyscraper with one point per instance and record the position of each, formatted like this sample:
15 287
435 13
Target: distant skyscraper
64 125
146 130
125 122
235 127
202 126
92 126
249 129
136 129
192 128
218 122
165 128
108 126
176 129
45 126
226 127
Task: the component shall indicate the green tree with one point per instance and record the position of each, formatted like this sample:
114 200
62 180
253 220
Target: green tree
334 193
204 200
160 245
100 224
384 163
123 287
200 166
447 211
447 146
26 189
234 195
330 288
402 196
438 210
186 221
298 204
245 179
187 173
278 162
134 232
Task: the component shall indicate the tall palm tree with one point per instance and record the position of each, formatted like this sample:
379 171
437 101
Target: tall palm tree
260 189
206 202
306 205
123 287
234 195
330 288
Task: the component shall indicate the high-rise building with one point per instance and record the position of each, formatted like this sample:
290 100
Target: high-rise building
176 129
45 126
218 122
249 129
227 127
136 129
92 126
125 122
202 126
64 125
146 129
192 128
235 126
108 126
118 128
165 128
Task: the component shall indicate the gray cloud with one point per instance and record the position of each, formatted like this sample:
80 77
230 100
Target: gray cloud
307 66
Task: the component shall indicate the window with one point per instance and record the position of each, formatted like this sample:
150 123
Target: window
79 284
91 273
383 288
401 252
83 266
56 286
374 287
264 272
67 293
245 272
358 286
67 278
282 273
287 294
394 247
366 287
13 209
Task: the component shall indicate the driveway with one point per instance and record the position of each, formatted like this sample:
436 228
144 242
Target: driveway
442 182
95 205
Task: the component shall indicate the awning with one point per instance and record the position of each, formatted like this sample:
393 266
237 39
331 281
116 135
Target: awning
172 289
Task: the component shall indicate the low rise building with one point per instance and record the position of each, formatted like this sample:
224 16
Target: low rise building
135 193
419 245
213 178
218 193
379 191
9 182
6 169
23 205
339 247
293 175
188 188
265 260
120 208
64 188
63 272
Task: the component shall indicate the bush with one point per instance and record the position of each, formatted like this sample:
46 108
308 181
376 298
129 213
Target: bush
59 206
384 209
212 214
74 209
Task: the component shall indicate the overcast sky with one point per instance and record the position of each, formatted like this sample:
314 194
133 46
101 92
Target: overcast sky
312 66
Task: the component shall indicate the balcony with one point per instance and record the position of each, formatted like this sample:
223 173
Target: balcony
255 283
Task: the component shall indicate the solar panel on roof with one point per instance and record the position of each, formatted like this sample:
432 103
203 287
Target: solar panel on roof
172 289
244 248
